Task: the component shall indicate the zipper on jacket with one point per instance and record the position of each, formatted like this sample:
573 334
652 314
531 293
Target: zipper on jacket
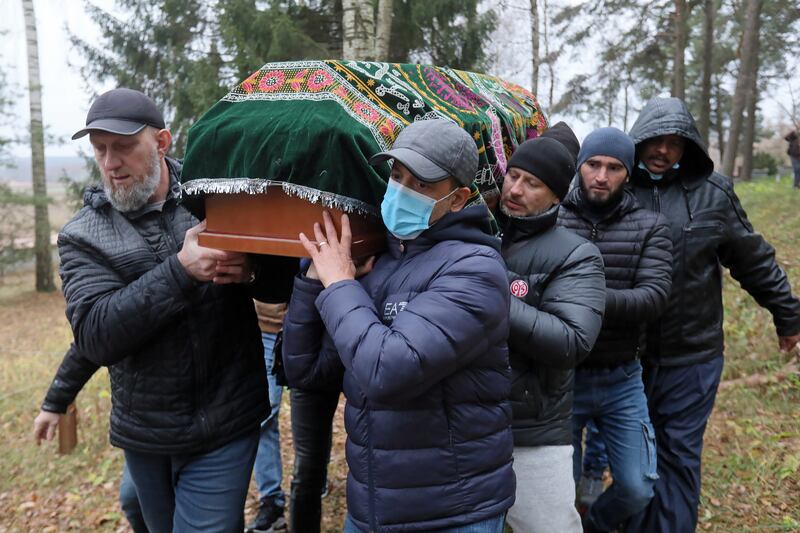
686 200
593 234
656 200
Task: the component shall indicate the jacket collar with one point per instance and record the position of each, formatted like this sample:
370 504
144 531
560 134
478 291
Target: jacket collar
517 229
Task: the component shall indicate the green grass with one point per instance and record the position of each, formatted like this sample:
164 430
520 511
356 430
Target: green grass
751 457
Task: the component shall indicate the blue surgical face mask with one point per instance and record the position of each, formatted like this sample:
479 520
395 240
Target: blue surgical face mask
406 212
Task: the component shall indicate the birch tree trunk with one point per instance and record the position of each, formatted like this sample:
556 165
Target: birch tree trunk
535 46
704 120
358 30
383 30
744 83
681 32
44 262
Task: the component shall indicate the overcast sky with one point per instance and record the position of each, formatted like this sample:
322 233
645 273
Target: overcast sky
66 96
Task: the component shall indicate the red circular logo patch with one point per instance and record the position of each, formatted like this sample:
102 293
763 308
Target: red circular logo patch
519 288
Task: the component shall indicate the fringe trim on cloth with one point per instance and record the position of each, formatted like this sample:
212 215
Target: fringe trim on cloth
261 186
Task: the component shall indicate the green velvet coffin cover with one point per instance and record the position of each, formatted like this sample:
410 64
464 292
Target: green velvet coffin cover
313 125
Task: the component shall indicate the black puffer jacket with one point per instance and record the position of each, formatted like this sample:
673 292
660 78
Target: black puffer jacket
558 295
709 229
72 374
185 358
637 253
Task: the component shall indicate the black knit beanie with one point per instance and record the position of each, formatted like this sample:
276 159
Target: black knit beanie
548 160
564 134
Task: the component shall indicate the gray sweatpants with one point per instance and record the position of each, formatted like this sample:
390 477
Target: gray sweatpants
545 491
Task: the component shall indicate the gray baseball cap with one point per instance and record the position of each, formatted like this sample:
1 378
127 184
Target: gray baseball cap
433 150
122 111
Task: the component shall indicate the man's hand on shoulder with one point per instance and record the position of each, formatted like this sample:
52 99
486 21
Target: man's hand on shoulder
208 264
44 426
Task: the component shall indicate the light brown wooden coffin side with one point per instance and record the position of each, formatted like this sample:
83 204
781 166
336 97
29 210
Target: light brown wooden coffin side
270 224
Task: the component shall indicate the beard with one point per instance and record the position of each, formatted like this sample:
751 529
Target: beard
135 195
597 201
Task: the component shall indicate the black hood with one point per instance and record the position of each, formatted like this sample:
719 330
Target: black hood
665 116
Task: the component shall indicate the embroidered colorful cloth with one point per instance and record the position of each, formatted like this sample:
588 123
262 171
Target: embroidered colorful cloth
313 125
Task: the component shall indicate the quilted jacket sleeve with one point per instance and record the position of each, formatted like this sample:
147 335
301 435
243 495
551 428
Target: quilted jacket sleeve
561 331
72 374
310 359
111 320
647 300
441 330
751 260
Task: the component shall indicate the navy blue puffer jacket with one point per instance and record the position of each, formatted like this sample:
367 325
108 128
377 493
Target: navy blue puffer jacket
422 339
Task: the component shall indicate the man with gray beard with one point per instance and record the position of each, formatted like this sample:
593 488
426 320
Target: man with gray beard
173 322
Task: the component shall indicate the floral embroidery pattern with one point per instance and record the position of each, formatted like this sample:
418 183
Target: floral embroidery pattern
385 97
366 112
318 80
271 81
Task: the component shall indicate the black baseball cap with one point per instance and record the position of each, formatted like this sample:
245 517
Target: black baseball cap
122 111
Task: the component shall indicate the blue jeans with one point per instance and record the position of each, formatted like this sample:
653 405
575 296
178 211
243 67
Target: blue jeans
796 170
490 525
181 493
615 399
681 399
129 501
269 468
595 459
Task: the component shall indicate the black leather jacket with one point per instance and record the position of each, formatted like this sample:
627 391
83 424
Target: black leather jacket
709 230
637 258
558 294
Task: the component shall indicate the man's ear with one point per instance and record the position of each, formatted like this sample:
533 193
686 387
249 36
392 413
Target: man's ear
461 195
163 140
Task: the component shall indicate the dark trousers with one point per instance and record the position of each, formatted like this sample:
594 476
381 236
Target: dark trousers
680 399
129 502
312 424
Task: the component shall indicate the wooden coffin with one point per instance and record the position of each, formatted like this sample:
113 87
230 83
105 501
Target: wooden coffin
271 223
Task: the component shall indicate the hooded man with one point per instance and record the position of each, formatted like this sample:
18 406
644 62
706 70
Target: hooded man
422 339
558 295
637 254
674 176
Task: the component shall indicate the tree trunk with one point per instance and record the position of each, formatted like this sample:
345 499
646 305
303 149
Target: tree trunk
744 83
358 30
704 120
679 68
44 263
383 30
749 139
534 47
719 120
550 60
